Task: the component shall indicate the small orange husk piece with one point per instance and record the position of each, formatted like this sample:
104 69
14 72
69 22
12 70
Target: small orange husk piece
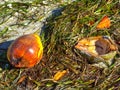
59 75
104 23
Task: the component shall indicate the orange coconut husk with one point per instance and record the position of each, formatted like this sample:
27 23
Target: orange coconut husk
102 48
